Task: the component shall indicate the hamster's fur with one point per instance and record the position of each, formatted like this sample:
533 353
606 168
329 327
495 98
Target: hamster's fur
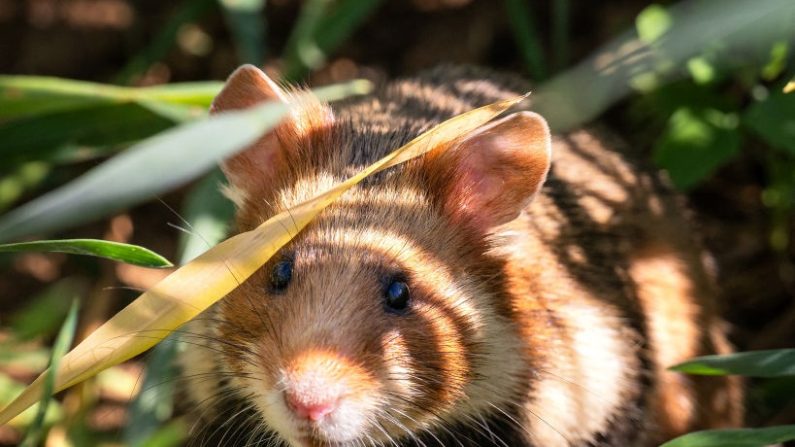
488 295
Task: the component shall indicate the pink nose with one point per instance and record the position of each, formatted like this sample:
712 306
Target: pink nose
314 411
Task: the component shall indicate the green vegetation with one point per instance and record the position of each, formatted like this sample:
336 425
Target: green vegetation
701 83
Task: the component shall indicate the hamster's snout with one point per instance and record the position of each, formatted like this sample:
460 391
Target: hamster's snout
307 407
325 395
315 383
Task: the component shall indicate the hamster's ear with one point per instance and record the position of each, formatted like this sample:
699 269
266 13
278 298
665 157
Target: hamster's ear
253 170
490 176
245 87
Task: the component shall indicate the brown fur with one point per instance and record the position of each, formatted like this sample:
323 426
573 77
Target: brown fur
550 325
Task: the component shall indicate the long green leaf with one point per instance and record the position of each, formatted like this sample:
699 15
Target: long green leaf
246 23
60 348
738 437
26 96
130 254
320 28
100 125
78 114
744 35
772 363
526 36
152 167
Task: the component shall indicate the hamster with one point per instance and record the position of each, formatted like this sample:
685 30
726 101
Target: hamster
516 289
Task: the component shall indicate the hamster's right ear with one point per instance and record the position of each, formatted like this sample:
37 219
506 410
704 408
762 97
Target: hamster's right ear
489 177
253 170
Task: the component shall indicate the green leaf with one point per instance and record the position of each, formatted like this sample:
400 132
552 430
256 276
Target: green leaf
44 313
525 33
696 142
736 437
130 254
77 113
151 167
154 404
24 96
652 23
701 70
773 119
778 61
27 96
246 24
21 180
772 363
321 27
10 388
60 348
172 434
106 124
734 33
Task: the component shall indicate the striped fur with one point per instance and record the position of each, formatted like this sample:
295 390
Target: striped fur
552 330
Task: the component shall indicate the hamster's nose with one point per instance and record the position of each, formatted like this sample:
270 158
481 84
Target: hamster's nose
305 407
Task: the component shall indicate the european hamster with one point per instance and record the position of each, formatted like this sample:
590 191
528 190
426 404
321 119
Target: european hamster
517 289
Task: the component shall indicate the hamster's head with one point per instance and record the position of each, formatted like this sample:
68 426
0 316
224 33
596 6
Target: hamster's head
385 318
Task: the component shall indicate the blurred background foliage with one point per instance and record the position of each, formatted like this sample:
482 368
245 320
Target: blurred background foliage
696 87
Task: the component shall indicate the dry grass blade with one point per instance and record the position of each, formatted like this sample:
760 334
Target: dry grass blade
194 287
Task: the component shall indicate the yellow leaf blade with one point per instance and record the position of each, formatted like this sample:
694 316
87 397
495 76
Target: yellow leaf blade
199 284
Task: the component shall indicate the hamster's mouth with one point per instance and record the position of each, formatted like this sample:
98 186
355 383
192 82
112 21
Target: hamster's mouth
310 441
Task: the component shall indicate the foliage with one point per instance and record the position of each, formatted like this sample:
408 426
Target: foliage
704 96
131 254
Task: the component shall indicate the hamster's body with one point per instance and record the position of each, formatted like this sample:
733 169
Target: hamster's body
432 305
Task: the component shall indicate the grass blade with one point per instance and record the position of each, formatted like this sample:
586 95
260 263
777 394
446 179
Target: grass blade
99 125
27 96
189 11
81 113
319 30
246 24
526 35
130 254
561 45
61 346
771 363
197 285
151 167
737 437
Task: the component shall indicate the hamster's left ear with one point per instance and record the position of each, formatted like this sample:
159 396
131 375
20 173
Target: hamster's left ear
493 173
254 170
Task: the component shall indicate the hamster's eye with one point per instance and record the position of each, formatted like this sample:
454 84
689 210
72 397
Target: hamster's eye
281 275
397 296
